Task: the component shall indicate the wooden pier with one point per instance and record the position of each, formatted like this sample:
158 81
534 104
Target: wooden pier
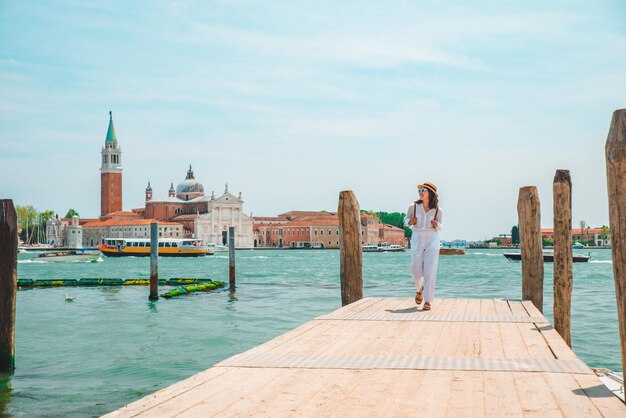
383 357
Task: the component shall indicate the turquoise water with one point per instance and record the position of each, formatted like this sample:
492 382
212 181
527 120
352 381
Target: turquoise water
111 346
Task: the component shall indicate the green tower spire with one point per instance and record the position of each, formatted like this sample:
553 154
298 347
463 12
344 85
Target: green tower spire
111 132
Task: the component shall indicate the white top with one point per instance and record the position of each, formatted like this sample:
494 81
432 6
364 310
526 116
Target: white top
423 218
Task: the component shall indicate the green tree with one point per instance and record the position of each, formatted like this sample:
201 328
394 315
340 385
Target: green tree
515 234
26 219
71 212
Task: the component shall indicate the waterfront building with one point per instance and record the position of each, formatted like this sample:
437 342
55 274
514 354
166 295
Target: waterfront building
302 229
597 236
111 173
393 235
54 232
203 217
75 234
58 231
95 232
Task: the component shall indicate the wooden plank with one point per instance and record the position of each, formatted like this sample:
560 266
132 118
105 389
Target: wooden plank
501 398
467 395
487 307
535 395
491 344
517 308
434 390
535 343
514 346
502 307
560 349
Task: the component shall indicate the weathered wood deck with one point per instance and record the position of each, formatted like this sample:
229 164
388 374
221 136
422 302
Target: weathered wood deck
382 357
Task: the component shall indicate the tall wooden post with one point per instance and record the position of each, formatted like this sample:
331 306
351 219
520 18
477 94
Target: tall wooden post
154 261
231 257
529 216
351 255
562 191
616 175
8 284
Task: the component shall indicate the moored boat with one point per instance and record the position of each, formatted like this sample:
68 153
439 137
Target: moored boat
549 257
68 256
374 248
140 247
216 247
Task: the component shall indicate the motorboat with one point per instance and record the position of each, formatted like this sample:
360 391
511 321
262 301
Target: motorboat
375 248
370 248
216 247
391 247
548 257
68 256
140 247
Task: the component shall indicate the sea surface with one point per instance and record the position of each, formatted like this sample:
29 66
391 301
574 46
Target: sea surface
112 346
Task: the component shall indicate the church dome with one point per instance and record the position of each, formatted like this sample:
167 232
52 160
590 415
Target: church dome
190 188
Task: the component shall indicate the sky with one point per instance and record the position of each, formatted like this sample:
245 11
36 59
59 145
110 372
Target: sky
292 102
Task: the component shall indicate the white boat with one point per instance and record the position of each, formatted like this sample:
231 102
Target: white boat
375 248
614 381
370 248
68 256
216 247
390 247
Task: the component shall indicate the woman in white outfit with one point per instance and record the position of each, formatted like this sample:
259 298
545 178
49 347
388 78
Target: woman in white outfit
425 219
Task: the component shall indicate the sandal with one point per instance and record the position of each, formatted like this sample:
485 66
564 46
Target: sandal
418 296
426 306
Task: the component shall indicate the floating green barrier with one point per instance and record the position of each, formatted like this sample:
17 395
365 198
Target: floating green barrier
184 290
25 282
86 281
142 282
174 281
47 283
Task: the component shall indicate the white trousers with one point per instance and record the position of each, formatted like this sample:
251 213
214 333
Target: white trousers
425 259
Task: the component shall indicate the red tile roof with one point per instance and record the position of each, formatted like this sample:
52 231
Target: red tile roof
121 214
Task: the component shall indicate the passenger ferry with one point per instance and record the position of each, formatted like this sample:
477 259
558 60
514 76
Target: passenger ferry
168 247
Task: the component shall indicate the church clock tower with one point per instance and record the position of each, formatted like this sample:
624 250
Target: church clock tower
111 173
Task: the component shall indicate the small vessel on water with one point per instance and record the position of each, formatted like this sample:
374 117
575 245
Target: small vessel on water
168 247
375 248
216 247
548 257
68 256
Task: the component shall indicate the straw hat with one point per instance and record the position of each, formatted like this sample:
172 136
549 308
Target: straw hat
430 186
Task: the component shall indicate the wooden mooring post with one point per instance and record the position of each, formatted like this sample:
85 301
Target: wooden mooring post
154 261
8 284
231 257
350 253
529 216
562 192
616 175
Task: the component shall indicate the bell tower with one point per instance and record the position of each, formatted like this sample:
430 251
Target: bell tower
111 173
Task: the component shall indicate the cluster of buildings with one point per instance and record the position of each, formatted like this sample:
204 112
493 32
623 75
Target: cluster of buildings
186 212
599 237
594 236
